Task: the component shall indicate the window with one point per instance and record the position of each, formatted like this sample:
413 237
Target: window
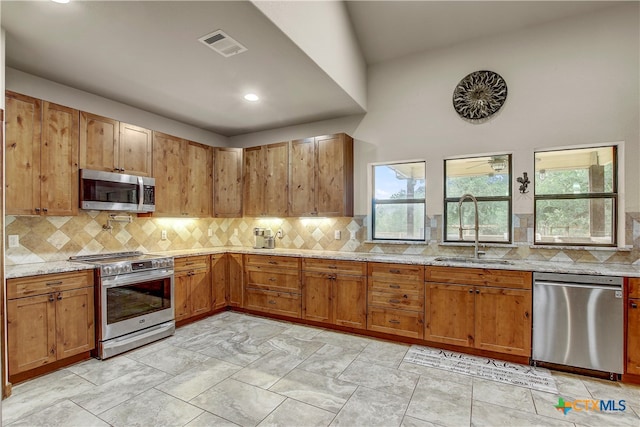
488 179
398 202
576 196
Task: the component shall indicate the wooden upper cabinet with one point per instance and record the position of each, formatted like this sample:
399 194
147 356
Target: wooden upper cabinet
99 141
112 146
321 176
41 157
183 176
198 180
134 152
227 182
168 164
23 126
266 180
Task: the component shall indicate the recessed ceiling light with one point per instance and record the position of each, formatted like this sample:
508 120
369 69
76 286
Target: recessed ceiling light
251 97
60 1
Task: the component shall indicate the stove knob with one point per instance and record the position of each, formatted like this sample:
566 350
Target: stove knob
106 270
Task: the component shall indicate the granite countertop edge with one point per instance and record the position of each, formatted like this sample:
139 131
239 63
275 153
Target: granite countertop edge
627 270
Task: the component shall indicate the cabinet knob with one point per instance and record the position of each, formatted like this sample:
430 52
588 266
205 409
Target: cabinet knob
634 305
37 210
121 169
51 298
59 297
45 210
470 291
477 291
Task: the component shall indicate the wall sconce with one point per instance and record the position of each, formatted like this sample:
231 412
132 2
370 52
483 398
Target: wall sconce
524 182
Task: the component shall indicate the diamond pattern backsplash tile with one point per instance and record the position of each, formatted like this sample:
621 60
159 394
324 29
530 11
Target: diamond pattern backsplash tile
58 238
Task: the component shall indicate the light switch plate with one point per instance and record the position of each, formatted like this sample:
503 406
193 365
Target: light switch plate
163 235
14 241
337 234
209 232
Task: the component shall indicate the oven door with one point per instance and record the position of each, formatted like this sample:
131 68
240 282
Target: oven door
135 301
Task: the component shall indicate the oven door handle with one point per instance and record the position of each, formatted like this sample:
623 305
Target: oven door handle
141 193
129 279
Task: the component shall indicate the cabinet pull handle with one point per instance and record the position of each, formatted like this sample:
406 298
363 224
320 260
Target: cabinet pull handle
333 267
271 301
189 263
53 350
272 279
59 297
273 262
394 286
394 301
394 271
634 305
51 298
57 282
394 322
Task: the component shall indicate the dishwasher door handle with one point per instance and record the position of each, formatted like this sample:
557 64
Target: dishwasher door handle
579 285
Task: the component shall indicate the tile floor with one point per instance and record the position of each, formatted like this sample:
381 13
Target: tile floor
234 369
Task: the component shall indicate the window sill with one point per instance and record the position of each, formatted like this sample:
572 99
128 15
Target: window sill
397 242
583 248
481 245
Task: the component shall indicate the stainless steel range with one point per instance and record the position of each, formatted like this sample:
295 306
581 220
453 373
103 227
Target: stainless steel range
135 301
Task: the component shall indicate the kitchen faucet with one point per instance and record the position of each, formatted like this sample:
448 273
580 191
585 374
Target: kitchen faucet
476 253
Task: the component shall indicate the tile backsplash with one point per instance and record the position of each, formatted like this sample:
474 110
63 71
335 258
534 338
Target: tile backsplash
58 238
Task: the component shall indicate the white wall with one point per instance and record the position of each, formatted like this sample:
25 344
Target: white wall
48 90
323 30
570 82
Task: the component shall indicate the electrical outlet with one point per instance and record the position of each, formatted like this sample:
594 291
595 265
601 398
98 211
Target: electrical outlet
209 232
14 241
279 234
337 234
353 235
235 231
163 234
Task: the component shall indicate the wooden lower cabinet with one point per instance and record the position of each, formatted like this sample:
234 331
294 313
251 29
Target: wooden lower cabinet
219 277
193 287
236 280
492 313
272 284
49 318
633 336
396 322
334 292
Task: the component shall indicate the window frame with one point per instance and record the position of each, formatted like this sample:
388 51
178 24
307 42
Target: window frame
372 198
508 199
582 196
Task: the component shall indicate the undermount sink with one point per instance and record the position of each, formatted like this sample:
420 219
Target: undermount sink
473 260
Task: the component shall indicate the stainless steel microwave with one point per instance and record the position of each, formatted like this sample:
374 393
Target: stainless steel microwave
107 191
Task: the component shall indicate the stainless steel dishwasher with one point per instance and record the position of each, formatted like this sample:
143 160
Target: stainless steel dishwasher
578 321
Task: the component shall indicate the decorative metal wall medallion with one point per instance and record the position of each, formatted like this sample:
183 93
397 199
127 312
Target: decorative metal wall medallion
479 95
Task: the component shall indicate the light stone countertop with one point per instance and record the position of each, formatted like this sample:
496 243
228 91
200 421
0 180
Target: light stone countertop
626 270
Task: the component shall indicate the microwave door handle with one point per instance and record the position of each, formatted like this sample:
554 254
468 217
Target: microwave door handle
141 193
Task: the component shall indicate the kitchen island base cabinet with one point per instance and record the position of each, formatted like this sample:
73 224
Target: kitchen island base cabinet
50 319
479 308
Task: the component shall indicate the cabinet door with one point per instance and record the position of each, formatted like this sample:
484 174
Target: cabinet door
334 177
633 337
236 279
31 332
316 297
134 152
59 160
253 182
503 320
198 180
99 140
75 328
200 292
227 182
22 154
181 295
350 301
168 164
219 280
302 177
276 197
450 314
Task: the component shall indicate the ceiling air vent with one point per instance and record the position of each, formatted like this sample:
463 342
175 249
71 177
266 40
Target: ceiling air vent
222 43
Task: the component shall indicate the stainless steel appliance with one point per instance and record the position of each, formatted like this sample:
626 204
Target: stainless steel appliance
108 191
578 321
135 300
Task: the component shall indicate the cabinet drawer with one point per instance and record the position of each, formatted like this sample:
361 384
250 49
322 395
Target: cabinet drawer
634 288
44 284
396 272
271 261
480 277
284 303
285 282
396 300
413 287
353 268
191 263
397 322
